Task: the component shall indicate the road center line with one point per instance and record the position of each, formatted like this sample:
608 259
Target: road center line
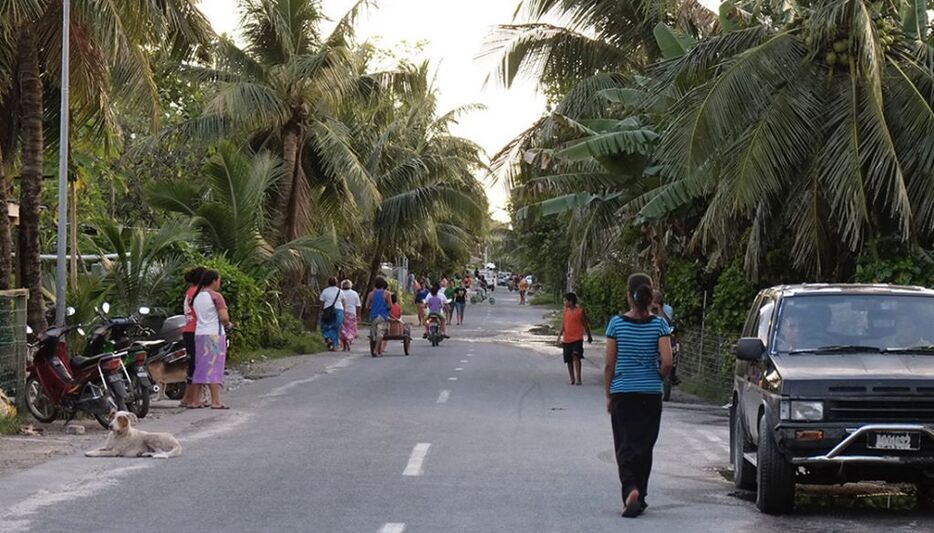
458 369
393 527
463 361
444 396
417 460
452 378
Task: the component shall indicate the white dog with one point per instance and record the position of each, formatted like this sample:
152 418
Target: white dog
125 441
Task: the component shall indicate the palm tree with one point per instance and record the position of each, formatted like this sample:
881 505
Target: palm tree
145 263
428 201
813 124
284 90
230 213
109 63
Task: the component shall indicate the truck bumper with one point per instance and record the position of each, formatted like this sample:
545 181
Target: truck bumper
844 451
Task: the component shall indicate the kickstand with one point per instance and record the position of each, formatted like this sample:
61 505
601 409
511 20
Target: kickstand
71 417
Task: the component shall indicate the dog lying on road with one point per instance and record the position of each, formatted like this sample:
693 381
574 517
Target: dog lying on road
125 441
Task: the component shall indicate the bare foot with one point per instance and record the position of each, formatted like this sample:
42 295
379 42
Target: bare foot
633 507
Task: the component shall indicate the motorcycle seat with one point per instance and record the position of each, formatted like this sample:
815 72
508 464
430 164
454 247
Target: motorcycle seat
82 362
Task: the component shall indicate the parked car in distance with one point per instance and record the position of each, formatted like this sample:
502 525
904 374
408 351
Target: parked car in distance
833 384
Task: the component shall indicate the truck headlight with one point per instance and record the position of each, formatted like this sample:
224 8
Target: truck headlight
802 411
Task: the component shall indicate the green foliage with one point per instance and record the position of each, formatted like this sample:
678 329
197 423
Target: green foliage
888 262
546 298
683 288
731 300
602 295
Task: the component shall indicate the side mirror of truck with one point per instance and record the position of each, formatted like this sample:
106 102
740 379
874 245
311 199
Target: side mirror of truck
749 349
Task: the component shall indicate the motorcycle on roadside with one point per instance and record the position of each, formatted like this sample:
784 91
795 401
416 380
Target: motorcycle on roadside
118 335
434 334
59 386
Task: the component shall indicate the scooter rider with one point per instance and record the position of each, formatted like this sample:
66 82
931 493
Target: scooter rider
435 304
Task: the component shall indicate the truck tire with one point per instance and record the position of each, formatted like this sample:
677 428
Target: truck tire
744 474
775 475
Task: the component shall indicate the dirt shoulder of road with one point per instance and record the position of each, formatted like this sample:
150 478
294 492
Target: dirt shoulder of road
38 443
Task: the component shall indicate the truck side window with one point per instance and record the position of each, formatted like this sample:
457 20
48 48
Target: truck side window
764 321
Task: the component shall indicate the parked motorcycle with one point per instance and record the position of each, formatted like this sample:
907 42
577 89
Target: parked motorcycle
118 335
167 359
61 386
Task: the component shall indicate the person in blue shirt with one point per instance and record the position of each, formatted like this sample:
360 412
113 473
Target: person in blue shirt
638 356
378 303
420 296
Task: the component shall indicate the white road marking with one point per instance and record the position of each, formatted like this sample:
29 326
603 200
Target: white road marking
470 355
393 527
464 361
444 396
452 378
417 460
458 369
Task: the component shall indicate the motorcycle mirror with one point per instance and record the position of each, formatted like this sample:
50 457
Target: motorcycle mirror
144 310
28 330
70 311
80 331
105 307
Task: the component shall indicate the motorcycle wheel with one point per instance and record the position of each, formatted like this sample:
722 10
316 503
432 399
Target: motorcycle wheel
40 406
103 420
140 404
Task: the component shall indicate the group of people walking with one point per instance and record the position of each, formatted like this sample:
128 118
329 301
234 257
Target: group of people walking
207 321
341 310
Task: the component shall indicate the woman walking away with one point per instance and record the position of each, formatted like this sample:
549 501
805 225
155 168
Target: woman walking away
332 314
420 296
192 396
378 304
638 356
210 335
352 308
571 337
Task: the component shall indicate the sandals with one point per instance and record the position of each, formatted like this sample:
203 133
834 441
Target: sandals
220 407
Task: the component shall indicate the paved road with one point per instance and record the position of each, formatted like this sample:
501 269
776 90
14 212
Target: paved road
479 435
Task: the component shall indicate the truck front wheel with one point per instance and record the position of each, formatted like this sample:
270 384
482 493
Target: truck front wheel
744 474
775 475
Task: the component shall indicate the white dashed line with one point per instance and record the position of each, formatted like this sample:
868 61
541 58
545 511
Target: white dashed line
452 378
444 396
417 460
463 361
393 527
458 369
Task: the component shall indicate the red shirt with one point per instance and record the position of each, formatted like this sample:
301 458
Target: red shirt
395 311
191 321
573 324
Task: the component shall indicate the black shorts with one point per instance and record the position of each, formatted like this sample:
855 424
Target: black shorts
572 350
189 339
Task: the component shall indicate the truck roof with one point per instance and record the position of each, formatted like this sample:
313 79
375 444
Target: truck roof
849 288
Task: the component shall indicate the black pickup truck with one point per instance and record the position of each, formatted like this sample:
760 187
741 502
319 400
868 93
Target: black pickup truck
833 384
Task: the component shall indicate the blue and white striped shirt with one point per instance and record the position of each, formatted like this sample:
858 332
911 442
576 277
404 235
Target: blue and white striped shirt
637 356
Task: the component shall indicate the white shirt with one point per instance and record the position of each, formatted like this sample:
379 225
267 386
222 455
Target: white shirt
351 300
209 322
329 295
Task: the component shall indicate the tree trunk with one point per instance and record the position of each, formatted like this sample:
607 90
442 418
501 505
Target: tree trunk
374 271
6 246
31 175
294 192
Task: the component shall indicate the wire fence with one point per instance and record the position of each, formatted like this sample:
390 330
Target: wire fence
13 347
705 364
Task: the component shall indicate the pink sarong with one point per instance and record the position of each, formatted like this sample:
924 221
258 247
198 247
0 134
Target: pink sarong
349 328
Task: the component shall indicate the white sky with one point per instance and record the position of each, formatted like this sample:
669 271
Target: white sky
455 31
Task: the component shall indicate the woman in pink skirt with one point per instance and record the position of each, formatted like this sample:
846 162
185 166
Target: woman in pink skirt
351 314
210 335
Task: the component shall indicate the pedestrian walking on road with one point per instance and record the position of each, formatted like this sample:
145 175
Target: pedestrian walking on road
523 288
332 314
638 356
192 397
352 308
421 295
571 337
210 335
378 303
460 302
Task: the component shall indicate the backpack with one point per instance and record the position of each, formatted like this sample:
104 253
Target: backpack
330 313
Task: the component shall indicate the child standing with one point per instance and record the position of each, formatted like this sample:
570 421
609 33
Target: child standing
571 337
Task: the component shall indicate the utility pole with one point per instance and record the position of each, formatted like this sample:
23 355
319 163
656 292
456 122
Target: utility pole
61 266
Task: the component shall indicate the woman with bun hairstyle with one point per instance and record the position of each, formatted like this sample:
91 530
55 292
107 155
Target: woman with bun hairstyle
638 356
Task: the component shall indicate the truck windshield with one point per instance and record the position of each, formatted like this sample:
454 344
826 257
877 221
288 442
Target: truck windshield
826 323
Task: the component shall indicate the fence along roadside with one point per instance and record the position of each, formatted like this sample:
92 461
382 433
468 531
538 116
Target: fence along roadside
13 348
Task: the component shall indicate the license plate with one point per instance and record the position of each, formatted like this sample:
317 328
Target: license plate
894 440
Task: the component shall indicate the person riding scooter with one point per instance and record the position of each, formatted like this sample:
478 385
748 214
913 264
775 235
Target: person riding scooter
435 304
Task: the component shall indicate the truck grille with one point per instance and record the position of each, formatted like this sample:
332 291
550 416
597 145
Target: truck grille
881 410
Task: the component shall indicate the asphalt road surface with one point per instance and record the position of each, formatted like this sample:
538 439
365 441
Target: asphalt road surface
482 434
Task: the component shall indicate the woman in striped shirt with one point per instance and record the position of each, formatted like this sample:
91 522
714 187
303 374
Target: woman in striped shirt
638 356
